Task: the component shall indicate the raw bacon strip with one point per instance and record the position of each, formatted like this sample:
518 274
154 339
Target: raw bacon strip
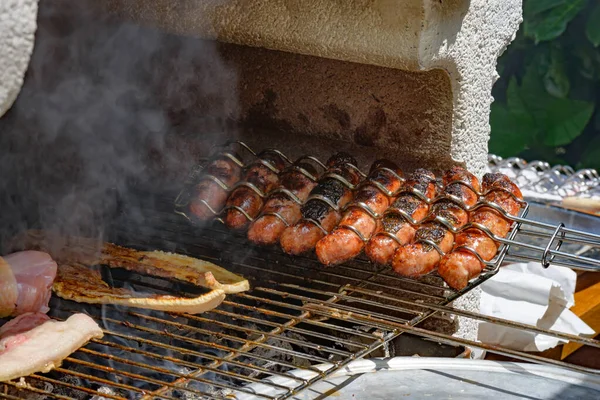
343 243
303 236
420 258
460 266
34 271
8 290
32 343
268 228
209 191
261 177
26 282
381 247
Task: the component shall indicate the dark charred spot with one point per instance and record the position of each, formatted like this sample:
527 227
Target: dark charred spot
448 210
294 180
341 159
393 222
490 178
330 188
458 190
315 209
420 180
422 173
407 203
432 232
349 174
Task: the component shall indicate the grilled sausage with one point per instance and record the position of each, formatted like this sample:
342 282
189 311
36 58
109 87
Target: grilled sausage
419 258
460 266
268 228
212 193
381 248
303 236
247 199
343 244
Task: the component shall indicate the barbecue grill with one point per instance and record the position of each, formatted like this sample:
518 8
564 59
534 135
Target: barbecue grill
299 316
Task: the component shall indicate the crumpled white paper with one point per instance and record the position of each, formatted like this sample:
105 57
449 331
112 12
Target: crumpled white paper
531 294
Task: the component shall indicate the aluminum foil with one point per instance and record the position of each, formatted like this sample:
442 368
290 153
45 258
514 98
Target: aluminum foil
539 181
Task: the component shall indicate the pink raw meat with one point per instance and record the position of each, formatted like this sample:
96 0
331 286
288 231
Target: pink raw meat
34 272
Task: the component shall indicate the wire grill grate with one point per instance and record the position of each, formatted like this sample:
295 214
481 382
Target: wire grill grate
298 316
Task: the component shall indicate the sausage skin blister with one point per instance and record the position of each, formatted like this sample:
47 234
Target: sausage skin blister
343 243
460 266
267 229
304 235
381 247
209 191
419 258
251 202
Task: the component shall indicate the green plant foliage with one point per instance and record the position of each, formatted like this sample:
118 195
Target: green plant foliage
550 84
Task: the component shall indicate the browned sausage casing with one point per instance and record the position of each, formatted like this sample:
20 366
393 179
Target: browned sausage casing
418 258
303 236
460 266
381 248
268 228
247 199
343 244
225 170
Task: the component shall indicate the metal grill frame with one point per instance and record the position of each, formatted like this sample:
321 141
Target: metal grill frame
304 296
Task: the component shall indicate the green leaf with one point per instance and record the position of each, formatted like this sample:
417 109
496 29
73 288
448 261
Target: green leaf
592 27
546 20
548 120
511 133
532 8
591 156
556 80
566 120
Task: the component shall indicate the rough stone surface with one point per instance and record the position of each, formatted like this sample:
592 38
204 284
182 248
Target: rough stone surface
17 29
372 107
462 37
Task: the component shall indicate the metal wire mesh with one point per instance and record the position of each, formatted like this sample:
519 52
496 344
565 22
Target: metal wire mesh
298 316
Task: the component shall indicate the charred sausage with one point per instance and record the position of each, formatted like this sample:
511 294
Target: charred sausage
303 236
264 179
344 244
460 266
268 228
420 258
210 192
381 247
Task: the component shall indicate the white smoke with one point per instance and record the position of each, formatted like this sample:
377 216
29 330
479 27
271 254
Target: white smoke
101 104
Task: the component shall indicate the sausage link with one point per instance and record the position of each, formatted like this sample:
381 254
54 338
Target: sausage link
343 244
460 266
209 191
268 228
303 236
381 248
419 258
247 199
